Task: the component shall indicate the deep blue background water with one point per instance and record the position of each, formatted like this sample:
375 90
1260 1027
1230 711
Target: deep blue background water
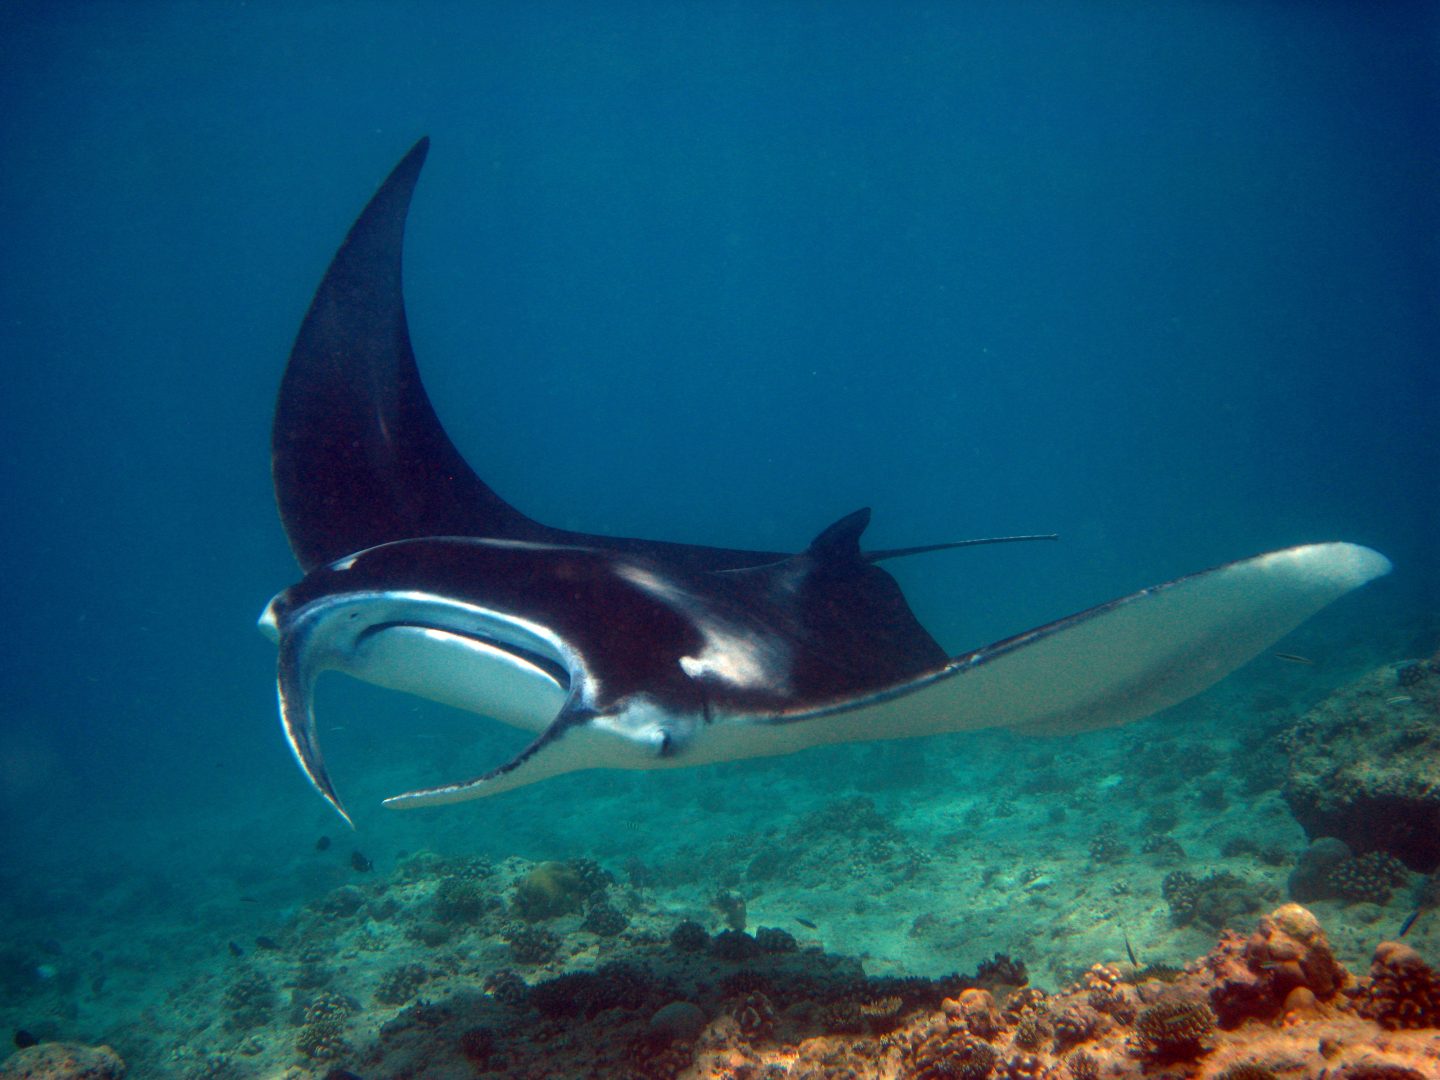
1161 278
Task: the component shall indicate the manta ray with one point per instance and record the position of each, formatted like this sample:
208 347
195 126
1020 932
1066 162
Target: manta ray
646 654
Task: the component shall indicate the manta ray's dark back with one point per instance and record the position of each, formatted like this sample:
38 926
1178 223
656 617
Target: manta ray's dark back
358 456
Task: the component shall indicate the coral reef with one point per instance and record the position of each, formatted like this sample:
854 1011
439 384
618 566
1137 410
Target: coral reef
666 1000
1272 1003
1364 766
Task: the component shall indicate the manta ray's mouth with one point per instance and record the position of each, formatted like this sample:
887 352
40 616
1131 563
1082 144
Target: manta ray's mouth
519 653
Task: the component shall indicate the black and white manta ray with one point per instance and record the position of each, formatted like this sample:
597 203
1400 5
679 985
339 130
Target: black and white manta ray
643 654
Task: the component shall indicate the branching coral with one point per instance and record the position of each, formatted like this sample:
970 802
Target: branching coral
1370 877
459 900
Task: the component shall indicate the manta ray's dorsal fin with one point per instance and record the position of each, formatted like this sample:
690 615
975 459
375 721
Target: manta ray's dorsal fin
358 455
838 546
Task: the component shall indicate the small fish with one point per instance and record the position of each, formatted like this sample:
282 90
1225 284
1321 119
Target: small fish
267 943
1294 658
323 844
236 951
248 900
23 1039
360 862
1398 699
806 923
1130 952
1408 923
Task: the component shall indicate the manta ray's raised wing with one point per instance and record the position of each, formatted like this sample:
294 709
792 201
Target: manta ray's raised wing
631 653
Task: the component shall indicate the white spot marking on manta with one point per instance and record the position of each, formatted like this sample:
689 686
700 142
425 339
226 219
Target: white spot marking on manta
734 659
730 655
654 584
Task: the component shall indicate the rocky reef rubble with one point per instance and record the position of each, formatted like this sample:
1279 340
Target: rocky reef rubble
63 1061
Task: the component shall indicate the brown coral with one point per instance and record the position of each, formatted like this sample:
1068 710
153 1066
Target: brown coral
1074 1024
1404 991
974 1010
1174 1030
949 1055
1105 991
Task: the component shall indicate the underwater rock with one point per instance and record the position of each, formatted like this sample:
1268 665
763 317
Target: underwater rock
1310 880
63 1061
1253 976
1364 766
678 1020
689 937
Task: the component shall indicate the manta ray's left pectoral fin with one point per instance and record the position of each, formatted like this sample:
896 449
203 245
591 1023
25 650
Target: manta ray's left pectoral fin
1105 666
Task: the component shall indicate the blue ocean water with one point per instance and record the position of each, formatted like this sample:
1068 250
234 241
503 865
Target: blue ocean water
1159 278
